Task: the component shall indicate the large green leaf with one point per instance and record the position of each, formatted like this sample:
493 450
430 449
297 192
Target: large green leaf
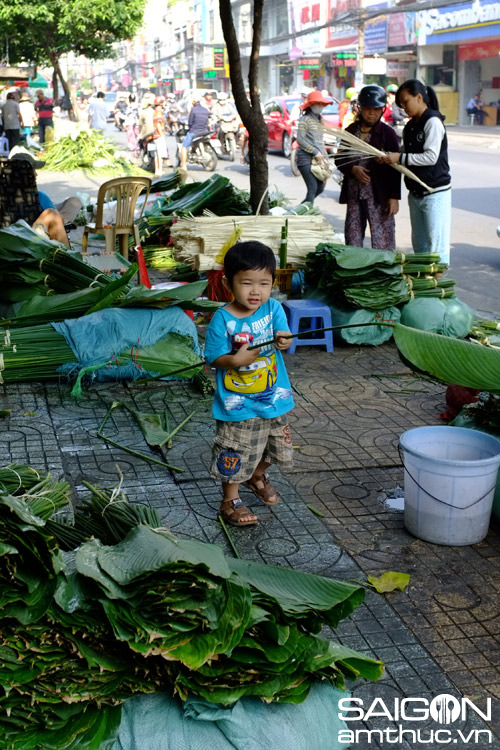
141 296
298 592
145 549
450 360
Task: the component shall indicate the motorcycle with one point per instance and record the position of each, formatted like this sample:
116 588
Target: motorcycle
228 127
331 145
119 118
147 148
173 120
204 150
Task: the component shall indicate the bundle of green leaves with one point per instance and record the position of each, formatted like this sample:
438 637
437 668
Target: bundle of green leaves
82 631
374 279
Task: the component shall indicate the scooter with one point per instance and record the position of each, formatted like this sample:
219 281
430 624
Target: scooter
147 147
204 150
173 117
119 118
228 127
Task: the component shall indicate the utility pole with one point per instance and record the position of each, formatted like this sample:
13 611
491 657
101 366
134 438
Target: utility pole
359 76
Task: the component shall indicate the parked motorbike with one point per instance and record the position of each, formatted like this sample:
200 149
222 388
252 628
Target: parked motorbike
228 128
204 149
147 147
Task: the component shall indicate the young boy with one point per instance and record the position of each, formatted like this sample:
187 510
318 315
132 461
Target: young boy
253 392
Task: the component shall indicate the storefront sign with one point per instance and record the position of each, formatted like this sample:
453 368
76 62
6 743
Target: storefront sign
341 35
309 63
208 74
376 36
348 59
374 66
397 69
218 58
474 19
478 51
303 15
401 32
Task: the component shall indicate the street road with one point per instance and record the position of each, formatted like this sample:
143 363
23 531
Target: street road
475 168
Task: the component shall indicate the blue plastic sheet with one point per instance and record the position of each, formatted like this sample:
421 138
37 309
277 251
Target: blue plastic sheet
159 722
97 338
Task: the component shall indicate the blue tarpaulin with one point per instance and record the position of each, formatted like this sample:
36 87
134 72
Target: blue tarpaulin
102 336
159 722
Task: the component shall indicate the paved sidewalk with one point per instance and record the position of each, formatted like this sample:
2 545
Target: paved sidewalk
439 636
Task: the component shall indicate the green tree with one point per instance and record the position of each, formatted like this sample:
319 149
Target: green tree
40 31
249 108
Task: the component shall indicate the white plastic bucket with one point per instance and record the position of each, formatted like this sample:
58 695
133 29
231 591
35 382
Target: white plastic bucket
450 478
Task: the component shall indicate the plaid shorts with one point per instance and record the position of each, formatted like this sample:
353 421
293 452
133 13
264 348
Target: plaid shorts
239 447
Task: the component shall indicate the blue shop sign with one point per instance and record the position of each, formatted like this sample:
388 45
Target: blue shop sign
458 22
376 37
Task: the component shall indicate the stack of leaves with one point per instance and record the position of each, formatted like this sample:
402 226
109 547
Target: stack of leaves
33 265
82 631
486 332
90 151
39 353
373 279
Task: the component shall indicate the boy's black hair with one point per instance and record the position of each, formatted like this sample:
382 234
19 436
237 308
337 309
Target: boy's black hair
249 256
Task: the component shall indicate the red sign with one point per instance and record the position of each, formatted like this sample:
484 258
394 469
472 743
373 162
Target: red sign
218 58
478 51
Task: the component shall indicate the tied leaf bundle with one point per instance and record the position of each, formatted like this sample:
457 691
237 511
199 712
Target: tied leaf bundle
353 277
83 631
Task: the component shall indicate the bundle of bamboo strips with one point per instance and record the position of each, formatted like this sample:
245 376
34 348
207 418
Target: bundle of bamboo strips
355 148
198 241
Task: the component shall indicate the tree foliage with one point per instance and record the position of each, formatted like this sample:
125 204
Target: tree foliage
40 31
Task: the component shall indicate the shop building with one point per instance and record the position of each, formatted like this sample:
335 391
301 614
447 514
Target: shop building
459 54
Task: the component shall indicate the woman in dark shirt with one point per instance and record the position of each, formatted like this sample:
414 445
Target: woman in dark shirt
370 190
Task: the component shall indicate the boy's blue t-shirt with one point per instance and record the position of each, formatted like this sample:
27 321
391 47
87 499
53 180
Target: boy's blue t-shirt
261 389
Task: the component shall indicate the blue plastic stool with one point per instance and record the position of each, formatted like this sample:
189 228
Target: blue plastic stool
320 317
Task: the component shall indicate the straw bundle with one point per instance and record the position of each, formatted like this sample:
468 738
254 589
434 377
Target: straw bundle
198 241
355 146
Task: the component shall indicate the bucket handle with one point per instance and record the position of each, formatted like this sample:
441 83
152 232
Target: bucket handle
437 499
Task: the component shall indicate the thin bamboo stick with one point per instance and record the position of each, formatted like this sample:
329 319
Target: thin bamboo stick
367 148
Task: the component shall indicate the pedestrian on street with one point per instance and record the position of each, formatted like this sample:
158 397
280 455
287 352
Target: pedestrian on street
159 135
311 144
253 394
98 113
28 114
371 190
425 152
146 116
12 120
132 125
45 110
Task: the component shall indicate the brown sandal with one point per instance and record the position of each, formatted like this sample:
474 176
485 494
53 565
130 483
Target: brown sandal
267 493
237 514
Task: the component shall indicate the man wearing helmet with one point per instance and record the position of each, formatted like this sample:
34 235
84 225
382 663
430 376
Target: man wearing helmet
197 124
370 191
223 110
